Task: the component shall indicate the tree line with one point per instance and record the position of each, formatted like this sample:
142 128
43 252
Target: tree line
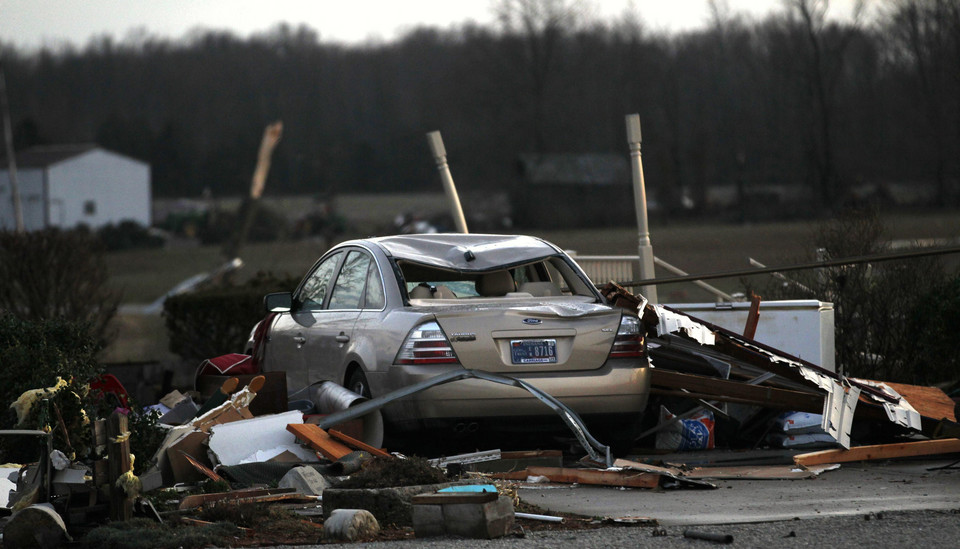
796 98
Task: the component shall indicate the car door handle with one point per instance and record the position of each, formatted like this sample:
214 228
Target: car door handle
343 338
299 340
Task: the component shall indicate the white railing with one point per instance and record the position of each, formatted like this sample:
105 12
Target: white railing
604 268
622 268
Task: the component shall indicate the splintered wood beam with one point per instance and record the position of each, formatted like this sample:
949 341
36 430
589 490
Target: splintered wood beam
196 500
319 440
880 451
733 391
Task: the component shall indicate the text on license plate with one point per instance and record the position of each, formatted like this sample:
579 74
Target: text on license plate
533 351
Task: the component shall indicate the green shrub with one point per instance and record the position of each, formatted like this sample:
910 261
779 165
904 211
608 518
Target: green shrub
146 534
218 320
932 322
34 355
52 274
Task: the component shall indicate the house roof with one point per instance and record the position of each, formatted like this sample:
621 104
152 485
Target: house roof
47 155
575 169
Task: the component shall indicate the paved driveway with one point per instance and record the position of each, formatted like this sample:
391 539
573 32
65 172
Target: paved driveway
853 489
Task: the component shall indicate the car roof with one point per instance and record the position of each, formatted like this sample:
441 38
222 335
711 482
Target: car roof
466 252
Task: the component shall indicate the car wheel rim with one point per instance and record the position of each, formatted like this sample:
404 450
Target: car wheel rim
360 388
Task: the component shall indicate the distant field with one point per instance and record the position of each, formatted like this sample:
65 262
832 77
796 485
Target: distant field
143 276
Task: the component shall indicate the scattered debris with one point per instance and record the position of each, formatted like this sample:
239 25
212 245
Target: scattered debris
235 435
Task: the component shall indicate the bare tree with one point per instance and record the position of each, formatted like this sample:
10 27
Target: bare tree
823 46
540 27
926 38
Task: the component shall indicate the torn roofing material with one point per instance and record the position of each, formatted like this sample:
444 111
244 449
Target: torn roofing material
466 252
841 394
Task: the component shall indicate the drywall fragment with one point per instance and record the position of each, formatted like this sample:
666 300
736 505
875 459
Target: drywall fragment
232 442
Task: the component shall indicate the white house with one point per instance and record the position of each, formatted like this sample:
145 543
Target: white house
68 185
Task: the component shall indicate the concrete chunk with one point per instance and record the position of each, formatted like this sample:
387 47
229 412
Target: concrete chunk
36 526
305 480
350 525
489 520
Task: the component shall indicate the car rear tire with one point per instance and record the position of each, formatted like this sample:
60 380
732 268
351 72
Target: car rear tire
357 382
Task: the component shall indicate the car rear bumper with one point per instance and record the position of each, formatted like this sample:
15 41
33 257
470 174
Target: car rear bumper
607 390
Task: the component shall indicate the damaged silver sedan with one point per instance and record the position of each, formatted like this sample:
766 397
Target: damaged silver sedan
379 314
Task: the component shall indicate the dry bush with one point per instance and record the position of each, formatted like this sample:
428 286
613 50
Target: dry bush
54 274
883 310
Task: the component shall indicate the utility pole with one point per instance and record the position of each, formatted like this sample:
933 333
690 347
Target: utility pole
11 160
440 156
640 197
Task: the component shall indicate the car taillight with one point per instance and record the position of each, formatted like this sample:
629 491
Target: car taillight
426 344
629 340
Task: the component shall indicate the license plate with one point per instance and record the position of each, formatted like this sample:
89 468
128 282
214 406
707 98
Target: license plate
533 351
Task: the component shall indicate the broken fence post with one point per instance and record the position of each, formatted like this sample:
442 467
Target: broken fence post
118 443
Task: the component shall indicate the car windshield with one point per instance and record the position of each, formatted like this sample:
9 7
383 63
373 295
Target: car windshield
549 277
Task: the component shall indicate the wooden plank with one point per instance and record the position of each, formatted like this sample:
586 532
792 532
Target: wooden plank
357 444
118 451
511 475
733 391
880 451
203 469
753 317
597 477
645 468
319 440
752 472
196 500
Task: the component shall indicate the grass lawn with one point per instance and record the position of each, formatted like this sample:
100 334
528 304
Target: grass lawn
145 275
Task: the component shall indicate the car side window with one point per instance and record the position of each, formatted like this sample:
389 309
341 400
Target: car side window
374 299
317 285
350 284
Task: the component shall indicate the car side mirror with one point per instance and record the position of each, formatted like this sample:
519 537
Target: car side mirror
278 302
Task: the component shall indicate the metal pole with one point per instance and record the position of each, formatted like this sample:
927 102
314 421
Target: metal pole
640 197
11 160
440 156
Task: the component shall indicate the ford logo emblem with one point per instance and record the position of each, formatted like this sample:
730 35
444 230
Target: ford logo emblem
532 321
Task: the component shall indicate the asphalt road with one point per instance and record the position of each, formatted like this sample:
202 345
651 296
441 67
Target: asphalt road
885 504
853 489
939 529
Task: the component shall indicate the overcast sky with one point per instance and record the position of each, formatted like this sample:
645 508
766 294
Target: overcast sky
32 23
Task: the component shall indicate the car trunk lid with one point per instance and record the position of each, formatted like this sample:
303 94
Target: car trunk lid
511 337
